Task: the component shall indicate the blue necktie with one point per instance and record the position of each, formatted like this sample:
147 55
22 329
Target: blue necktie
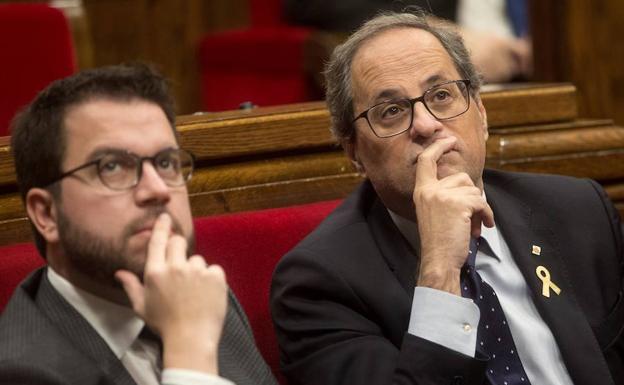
493 335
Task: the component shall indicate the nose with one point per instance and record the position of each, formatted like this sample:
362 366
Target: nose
424 125
151 189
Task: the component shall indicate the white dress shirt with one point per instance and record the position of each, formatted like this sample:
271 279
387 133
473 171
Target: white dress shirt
119 327
452 321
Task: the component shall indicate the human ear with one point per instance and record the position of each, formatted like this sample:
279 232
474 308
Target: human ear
350 147
41 209
483 114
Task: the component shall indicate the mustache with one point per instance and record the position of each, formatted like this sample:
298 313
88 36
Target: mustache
149 217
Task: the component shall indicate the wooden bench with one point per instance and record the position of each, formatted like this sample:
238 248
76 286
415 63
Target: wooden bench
281 156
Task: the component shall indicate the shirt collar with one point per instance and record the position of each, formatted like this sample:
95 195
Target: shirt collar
118 325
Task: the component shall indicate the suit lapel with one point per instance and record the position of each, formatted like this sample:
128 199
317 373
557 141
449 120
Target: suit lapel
394 248
524 227
239 359
77 330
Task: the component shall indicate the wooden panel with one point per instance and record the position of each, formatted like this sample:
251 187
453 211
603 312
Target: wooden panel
525 104
11 207
543 140
164 32
271 195
285 155
580 41
599 165
270 170
15 231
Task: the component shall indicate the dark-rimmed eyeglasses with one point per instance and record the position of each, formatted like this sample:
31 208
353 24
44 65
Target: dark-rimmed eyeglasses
443 101
122 170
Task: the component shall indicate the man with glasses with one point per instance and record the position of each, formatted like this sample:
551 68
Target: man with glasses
436 271
123 299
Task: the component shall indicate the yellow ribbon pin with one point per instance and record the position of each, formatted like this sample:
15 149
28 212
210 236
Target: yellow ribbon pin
547 284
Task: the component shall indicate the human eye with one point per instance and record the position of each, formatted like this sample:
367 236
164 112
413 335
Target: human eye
391 110
114 164
441 95
168 162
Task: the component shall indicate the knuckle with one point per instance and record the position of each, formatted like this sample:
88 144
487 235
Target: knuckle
177 239
153 274
464 178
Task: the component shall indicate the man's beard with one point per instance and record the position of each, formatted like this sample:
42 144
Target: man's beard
99 258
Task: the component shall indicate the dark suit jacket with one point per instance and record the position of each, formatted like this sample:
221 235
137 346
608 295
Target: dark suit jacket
341 299
43 340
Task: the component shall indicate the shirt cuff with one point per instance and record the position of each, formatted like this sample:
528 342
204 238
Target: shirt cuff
446 319
191 377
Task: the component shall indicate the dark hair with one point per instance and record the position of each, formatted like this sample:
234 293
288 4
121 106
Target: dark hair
38 134
339 95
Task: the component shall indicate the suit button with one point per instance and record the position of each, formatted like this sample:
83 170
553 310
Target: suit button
457 380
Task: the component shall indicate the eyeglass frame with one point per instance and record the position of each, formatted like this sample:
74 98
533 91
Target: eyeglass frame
139 168
421 98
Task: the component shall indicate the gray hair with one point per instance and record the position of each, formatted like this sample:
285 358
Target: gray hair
339 94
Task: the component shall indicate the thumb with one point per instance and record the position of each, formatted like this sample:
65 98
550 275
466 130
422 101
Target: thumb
134 290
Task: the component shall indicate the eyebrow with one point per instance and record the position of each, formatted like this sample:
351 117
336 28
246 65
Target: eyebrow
433 80
394 93
388 94
99 152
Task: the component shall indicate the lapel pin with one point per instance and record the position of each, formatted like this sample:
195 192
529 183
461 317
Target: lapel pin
544 275
536 250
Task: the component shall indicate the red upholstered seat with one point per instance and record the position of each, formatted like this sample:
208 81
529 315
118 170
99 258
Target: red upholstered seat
247 245
262 64
37 48
16 262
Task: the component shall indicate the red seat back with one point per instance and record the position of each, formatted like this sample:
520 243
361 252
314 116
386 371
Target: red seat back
248 245
262 64
265 12
16 262
37 48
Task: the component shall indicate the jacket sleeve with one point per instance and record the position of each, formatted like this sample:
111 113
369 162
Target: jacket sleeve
328 334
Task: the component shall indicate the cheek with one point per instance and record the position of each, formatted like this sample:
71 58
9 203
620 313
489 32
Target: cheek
180 208
96 215
376 155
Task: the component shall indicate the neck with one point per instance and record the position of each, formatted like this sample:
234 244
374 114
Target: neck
107 291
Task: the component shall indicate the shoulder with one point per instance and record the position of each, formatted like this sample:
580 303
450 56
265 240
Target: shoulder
31 349
574 208
554 190
506 178
30 354
348 219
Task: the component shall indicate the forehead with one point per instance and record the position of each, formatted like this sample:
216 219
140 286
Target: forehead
135 125
402 61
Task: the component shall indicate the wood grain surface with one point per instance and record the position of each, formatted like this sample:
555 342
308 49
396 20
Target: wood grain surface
286 155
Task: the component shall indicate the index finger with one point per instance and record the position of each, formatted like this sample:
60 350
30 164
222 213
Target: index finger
427 163
157 247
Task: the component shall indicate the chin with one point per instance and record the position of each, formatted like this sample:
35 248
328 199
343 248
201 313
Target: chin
445 170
